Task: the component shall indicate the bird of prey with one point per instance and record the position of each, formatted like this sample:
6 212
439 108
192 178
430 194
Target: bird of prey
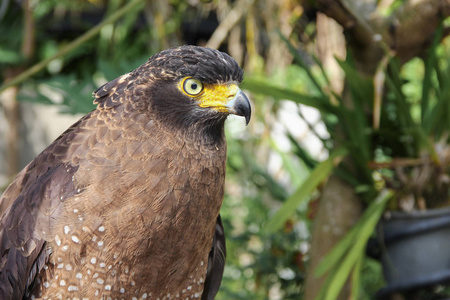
125 203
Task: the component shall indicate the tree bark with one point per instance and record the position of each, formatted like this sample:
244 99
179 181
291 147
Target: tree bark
338 211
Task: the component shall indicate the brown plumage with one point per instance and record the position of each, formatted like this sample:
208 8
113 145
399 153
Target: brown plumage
125 203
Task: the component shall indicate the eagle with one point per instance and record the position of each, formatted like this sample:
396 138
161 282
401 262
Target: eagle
125 203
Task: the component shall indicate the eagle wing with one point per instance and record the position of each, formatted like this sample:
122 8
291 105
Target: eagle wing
29 208
216 263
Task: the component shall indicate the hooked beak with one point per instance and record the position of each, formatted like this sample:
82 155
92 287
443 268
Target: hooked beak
226 98
240 105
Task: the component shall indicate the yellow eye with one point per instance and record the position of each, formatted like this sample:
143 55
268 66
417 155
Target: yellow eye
192 86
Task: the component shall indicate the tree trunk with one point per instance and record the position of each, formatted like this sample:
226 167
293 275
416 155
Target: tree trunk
339 209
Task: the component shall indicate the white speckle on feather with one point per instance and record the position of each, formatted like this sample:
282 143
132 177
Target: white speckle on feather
72 288
57 240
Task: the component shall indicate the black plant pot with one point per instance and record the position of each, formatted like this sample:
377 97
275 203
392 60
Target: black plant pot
414 249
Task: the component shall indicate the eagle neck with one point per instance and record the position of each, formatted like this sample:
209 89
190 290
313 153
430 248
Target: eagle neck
207 133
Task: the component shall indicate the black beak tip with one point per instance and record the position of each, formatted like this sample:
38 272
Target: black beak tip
242 107
247 119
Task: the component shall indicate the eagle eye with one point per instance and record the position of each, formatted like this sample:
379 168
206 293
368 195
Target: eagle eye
192 87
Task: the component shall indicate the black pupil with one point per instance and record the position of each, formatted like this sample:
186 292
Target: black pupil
194 86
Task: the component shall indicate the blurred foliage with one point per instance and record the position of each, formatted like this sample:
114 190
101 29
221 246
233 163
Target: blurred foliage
274 176
388 151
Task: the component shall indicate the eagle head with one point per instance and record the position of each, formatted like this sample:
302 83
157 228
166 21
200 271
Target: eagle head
185 87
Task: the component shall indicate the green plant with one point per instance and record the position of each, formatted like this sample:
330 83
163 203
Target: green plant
388 134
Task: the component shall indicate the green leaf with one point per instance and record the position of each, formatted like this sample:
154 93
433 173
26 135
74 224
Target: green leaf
299 60
354 121
323 292
261 86
418 132
302 153
429 65
76 93
436 119
356 252
317 176
356 278
10 57
337 253
322 70
348 253
361 87
74 45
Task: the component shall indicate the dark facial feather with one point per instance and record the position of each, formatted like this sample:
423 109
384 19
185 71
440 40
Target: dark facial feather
182 113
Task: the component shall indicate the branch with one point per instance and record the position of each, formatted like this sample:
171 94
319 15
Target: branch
350 17
413 25
407 31
221 32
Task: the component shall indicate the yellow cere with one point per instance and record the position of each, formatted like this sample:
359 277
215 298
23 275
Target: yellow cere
212 95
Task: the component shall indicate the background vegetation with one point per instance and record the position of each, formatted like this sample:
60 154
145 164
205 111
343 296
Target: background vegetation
344 126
